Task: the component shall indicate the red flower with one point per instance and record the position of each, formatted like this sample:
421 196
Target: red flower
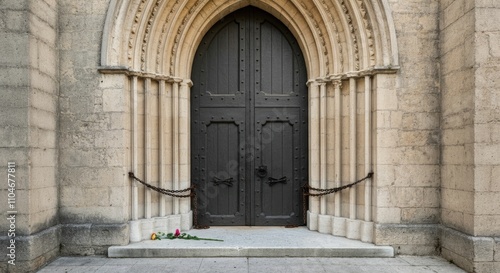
177 233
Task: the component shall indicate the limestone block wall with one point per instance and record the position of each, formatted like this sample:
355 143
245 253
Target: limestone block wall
28 137
406 141
457 83
94 137
487 119
470 126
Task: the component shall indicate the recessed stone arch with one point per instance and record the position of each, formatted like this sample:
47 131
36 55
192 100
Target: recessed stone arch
336 37
349 47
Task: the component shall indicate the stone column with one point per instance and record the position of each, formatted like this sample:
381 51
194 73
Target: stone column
338 225
324 220
135 224
185 153
353 225
367 226
161 222
161 146
175 143
314 152
147 147
168 132
174 220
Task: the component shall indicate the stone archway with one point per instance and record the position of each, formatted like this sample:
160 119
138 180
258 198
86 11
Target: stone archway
349 47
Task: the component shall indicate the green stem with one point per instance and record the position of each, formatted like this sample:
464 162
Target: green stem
209 239
185 236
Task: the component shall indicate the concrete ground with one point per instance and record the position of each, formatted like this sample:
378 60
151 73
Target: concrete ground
271 249
399 264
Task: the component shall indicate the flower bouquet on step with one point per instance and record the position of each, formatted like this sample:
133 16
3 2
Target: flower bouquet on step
178 235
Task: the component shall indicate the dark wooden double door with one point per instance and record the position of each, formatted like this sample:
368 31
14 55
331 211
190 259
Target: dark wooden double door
249 123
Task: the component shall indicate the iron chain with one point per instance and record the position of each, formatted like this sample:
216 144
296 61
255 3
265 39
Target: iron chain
175 193
306 188
321 192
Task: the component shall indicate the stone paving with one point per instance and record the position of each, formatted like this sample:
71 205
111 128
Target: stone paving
399 264
267 249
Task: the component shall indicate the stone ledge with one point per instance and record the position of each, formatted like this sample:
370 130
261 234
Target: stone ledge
92 239
472 253
115 252
408 239
253 242
33 251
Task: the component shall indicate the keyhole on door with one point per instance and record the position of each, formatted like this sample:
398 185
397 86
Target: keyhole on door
262 171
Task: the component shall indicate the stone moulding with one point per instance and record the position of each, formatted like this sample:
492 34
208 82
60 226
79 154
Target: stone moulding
146 36
331 77
127 71
338 43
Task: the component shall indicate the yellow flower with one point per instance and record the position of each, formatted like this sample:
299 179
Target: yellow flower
153 236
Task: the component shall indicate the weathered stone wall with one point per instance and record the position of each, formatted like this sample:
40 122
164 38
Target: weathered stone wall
29 96
457 84
94 140
407 138
470 127
487 119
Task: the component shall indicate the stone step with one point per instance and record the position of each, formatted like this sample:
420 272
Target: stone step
253 242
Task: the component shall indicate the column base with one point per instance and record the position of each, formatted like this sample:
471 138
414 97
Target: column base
312 220
339 226
147 228
367 231
187 220
325 224
142 229
353 229
135 231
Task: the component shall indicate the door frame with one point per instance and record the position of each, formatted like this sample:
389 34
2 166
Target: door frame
255 98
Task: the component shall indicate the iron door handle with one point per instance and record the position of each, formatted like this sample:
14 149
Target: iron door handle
228 182
274 181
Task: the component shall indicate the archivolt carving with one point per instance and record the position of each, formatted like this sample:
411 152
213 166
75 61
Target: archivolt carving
368 30
320 35
179 32
146 34
164 30
134 29
132 38
352 30
337 35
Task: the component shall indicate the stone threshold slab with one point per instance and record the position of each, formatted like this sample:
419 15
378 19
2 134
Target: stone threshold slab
253 242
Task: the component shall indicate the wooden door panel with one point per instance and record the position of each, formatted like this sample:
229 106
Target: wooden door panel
222 163
278 149
218 66
277 64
